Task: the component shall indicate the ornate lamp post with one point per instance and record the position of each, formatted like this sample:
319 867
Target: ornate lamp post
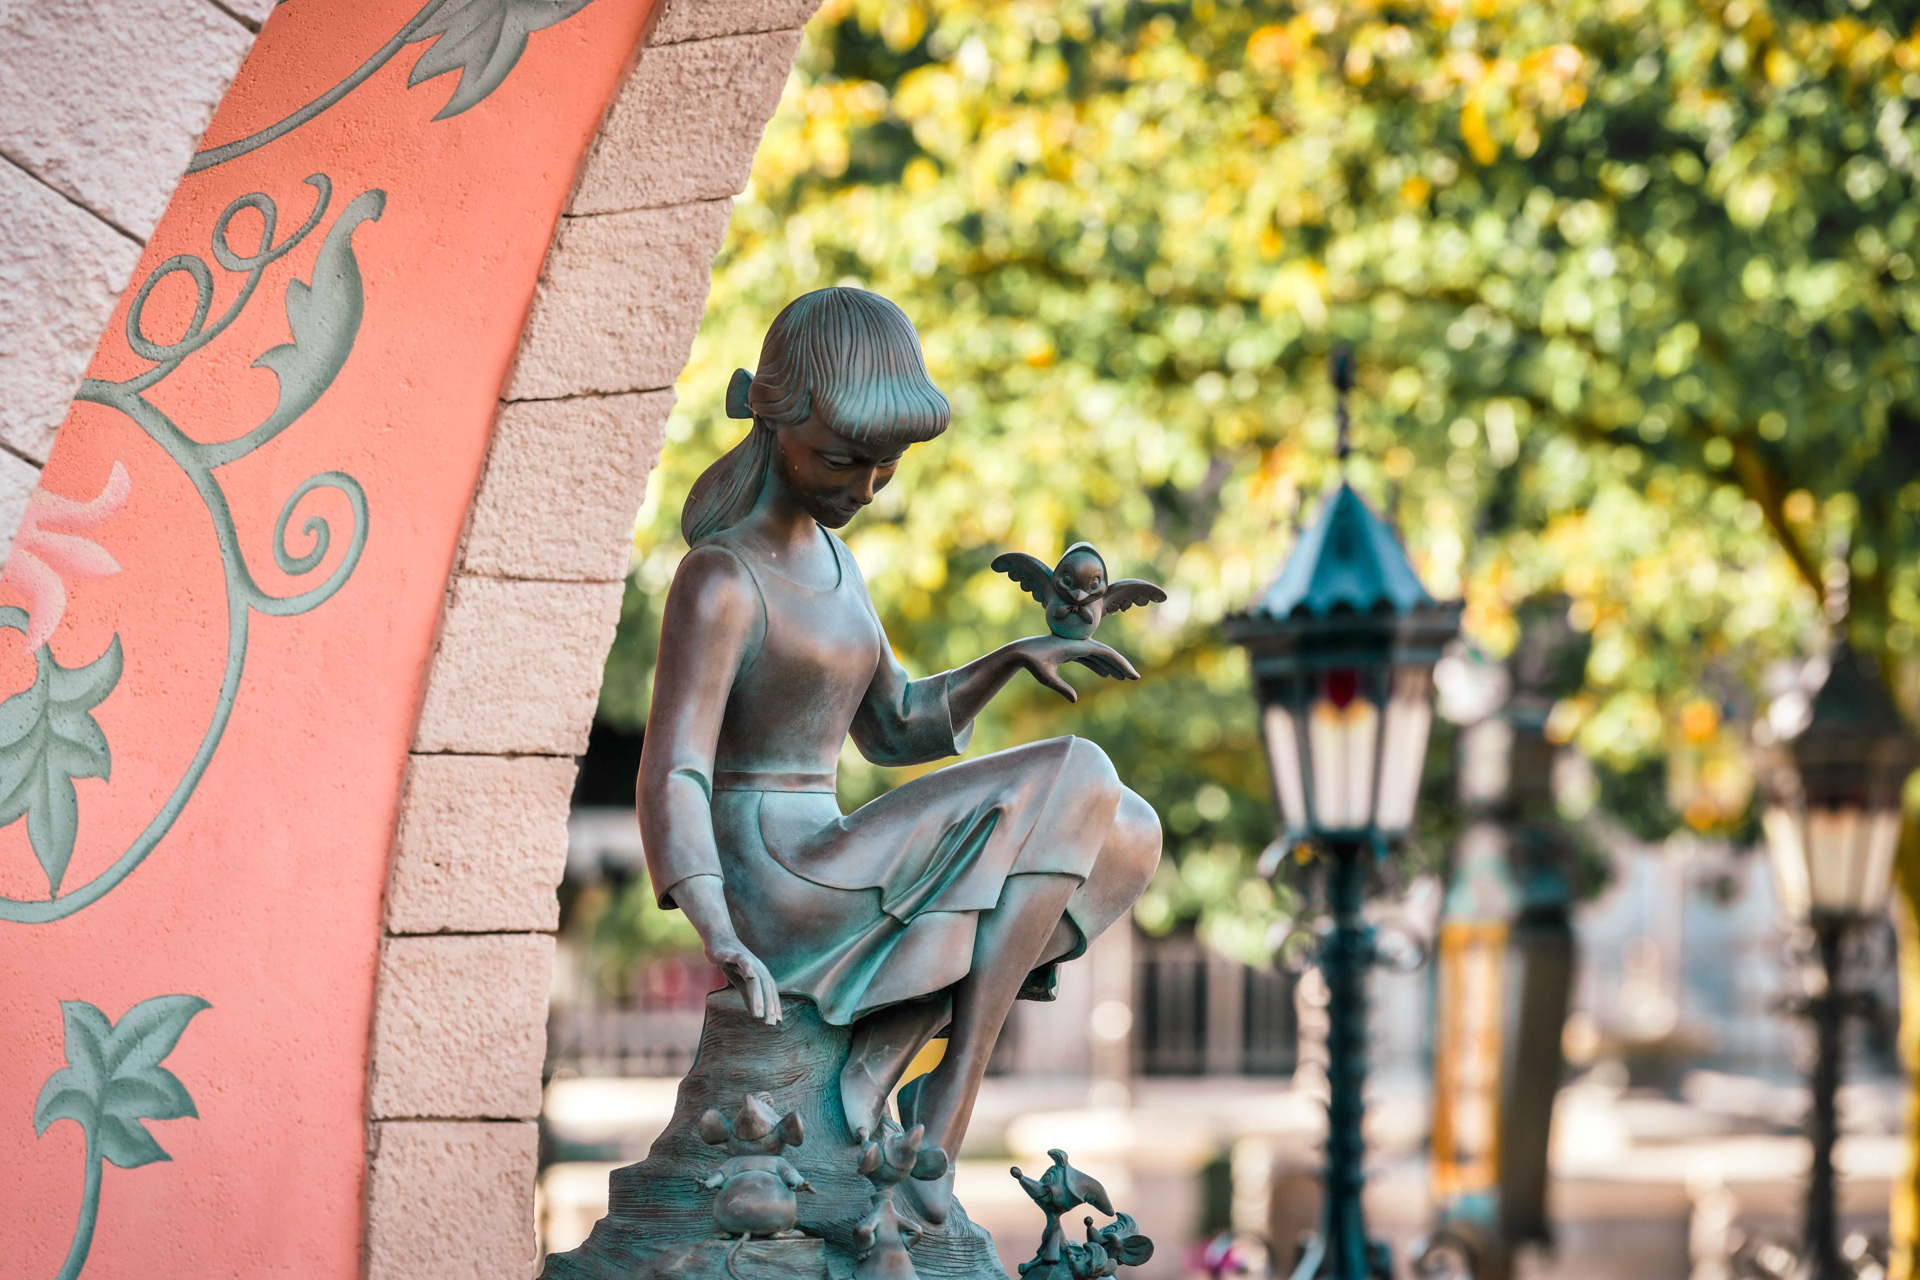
1833 826
1343 646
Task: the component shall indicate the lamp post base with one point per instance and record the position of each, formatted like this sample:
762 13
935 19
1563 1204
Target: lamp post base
1322 1263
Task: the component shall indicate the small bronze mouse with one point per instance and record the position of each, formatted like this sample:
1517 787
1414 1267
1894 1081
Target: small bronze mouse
756 1184
883 1235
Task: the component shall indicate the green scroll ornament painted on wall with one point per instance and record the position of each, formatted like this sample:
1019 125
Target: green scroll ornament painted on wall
48 736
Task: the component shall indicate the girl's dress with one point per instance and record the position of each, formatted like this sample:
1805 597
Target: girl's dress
866 909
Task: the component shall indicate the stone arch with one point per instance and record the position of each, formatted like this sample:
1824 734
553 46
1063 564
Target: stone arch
505 692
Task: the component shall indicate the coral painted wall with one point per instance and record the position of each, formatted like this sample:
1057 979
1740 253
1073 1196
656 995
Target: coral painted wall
218 616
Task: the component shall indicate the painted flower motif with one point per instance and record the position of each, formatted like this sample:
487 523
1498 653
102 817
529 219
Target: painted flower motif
49 548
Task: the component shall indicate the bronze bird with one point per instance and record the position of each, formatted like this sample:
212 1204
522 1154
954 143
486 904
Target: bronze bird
1076 591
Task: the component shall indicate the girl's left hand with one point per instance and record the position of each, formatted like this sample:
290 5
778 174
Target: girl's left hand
1045 655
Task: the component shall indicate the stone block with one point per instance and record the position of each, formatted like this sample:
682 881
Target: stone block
482 844
254 11
61 271
563 483
704 19
460 1026
517 670
450 1200
105 100
17 480
687 123
619 301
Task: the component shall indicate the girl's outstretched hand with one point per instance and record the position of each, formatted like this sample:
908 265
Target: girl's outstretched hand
1045 655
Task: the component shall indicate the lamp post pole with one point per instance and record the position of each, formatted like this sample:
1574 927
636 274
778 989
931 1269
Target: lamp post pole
1826 1009
1346 952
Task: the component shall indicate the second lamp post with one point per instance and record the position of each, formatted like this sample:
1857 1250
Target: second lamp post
1833 826
1342 647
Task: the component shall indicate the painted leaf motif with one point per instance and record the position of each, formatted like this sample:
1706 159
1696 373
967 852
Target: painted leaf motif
73 1092
482 40
48 738
323 316
113 1079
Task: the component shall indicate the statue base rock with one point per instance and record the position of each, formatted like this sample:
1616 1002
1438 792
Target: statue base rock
659 1223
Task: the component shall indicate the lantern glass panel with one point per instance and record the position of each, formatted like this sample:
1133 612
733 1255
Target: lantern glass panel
1787 843
1343 737
1283 755
1851 858
1833 859
1403 754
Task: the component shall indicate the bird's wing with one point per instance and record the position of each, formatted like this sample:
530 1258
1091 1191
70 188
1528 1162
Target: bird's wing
1129 592
1088 1190
1029 572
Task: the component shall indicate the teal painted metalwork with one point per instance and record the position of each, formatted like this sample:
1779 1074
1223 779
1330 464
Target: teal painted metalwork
323 315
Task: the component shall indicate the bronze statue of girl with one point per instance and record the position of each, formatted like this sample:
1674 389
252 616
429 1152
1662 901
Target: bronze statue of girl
944 900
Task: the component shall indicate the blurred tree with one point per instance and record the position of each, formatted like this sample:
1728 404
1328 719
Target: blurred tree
1632 284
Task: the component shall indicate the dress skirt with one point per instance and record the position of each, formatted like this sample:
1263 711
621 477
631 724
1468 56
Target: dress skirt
859 911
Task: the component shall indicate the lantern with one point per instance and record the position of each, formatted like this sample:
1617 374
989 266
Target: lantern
1833 822
1343 647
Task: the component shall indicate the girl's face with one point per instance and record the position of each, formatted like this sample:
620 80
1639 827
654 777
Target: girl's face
830 476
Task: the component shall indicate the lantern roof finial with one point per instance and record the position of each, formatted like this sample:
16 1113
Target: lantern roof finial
1348 561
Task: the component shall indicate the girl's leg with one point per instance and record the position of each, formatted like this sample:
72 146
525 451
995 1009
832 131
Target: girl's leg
1026 929
1012 939
884 1043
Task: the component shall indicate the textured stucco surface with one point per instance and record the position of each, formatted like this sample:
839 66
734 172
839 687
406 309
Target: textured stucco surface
587 457
450 1200
482 844
460 1026
103 100
687 123
61 271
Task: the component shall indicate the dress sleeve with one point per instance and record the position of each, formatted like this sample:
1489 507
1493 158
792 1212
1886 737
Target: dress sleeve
903 721
713 624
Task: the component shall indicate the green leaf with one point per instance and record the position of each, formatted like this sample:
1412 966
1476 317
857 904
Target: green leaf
323 316
154 1094
73 1092
114 1079
126 1142
48 737
150 1031
482 40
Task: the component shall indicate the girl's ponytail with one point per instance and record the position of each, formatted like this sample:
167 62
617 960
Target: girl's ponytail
727 490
